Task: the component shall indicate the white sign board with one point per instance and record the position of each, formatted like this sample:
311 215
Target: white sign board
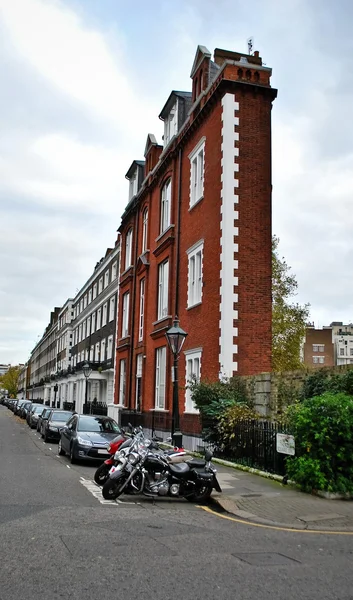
285 444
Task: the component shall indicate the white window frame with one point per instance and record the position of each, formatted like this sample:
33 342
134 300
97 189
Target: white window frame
110 347
97 351
93 322
91 353
166 203
95 287
84 330
88 328
99 319
112 308
163 290
315 348
100 285
125 319
90 296
122 381
171 124
114 270
133 184
144 229
128 249
341 352
106 278
80 332
195 273
192 369
103 347
197 172
142 308
104 313
160 383
315 360
139 369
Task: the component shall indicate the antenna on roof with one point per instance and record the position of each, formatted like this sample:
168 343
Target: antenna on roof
250 42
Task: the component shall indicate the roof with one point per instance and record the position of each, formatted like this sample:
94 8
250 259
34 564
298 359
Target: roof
132 168
168 105
201 53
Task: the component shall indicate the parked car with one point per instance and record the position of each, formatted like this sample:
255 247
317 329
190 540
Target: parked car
54 423
43 417
87 437
33 415
30 411
18 406
25 406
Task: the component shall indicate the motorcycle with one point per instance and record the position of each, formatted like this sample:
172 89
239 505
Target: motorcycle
142 470
102 473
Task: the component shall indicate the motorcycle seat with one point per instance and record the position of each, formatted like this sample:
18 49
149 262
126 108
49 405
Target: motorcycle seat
196 463
179 468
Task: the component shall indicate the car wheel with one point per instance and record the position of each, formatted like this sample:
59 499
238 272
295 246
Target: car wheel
60 449
72 455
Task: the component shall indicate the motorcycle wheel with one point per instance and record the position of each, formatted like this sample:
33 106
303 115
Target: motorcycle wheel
202 494
102 474
113 488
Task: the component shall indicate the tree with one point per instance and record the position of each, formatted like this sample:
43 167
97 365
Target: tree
288 319
9 381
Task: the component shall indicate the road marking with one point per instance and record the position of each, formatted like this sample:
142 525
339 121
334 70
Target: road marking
275 527
68 466
96 491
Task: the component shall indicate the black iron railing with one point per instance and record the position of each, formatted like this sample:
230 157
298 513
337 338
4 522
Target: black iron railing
95 408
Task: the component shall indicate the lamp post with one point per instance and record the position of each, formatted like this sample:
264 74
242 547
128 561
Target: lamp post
87 372
56 387
176 338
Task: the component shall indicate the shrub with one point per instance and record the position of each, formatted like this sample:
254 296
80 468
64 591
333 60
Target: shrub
323 430
229 434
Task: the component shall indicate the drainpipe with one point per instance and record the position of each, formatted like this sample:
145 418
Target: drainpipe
131 357
177 251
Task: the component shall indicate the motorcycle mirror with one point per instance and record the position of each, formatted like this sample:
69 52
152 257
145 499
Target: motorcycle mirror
208 455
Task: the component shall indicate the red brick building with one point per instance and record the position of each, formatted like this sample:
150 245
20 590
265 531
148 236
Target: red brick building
196 240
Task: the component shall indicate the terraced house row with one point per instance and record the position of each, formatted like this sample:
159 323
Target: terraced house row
194 242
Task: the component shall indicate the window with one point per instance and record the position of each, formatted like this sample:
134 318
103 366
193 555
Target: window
142 309
128 249
160 378
193 372
122 382
88 326
100 285
195 256
79 333
171 124
110 347
138 397
165 205
81 305
106 279
197 161
99 318
315 359
91 354
321 347
315 348
163 271
90 296
104 314
97 352
112 309
103 343
133 185
321 360
94 291
76 335
84 330
85 301
351 351
341 351
93 319
145 230
114 270
125 322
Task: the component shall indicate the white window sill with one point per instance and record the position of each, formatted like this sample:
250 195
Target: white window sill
194 305
164 410
191 412
195 203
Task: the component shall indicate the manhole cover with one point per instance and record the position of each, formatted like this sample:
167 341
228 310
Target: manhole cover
262 559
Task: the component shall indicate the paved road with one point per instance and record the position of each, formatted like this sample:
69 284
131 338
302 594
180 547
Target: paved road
58 541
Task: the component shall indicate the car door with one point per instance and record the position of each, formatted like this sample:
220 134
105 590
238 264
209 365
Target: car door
66 434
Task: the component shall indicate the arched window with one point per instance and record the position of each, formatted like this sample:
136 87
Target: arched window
166 205
128 249
145 230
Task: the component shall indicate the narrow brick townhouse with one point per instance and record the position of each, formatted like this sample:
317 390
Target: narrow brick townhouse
196 242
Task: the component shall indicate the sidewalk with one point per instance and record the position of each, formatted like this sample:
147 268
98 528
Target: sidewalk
261 500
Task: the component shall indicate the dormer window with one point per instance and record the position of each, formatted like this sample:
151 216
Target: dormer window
171 124
133 185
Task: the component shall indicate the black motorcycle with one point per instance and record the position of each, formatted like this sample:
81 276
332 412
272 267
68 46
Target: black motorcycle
144 471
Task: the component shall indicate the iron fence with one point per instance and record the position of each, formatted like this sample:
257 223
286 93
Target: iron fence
95 408
254 445
69 406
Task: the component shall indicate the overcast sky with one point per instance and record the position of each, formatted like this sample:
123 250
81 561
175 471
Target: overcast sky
83 82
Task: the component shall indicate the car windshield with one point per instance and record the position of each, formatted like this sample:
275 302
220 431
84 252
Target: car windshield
99 424
45 412
61 416
38 410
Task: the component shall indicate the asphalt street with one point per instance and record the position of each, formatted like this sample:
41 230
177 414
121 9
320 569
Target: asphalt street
57 540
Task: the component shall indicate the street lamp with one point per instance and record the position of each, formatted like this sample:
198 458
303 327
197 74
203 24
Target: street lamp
87 372
176 338
56 387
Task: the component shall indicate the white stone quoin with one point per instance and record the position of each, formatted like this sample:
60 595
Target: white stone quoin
229 232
